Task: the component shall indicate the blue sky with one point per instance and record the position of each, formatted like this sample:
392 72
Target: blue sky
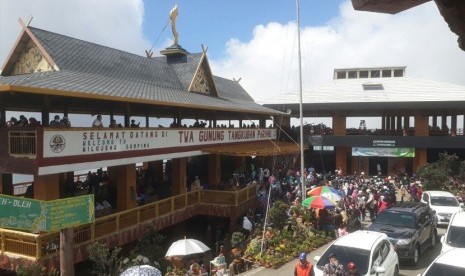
256 40
213 23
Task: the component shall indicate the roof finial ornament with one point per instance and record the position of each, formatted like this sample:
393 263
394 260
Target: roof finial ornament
173 14
238 80
23 24
30 20
204 48
149 53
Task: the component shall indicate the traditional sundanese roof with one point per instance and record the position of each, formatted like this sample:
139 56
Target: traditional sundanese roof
94 71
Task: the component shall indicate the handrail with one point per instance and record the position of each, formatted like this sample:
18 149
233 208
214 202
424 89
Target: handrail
44 245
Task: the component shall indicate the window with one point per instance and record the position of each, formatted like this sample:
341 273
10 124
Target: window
375 73
341 75
444 201
398 73
387 73
385 249
456 236
363 74
352 74
372 86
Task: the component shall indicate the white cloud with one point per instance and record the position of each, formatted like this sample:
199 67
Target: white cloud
418 38
113 23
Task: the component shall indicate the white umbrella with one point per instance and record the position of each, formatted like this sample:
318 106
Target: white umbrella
186 247
144 270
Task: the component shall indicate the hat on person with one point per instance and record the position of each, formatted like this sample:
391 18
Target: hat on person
302 256
351 265
332 255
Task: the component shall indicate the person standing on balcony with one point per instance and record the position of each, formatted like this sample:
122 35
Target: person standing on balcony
98 121
55 122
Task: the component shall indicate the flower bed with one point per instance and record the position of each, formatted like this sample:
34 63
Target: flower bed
283 245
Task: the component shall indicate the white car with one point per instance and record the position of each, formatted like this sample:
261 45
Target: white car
455 234
443 203
449 263
372 253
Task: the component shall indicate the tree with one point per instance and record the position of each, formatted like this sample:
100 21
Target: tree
440 174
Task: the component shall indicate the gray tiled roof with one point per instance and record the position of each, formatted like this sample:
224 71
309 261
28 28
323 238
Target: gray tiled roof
100 71
98 85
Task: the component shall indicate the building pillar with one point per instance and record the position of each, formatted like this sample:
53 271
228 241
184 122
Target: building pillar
47 187
341 158
463 125
3 119
64 179
443 122
262 123
6 184
339 124
214 170
124 178
406 122
45 111
420 159
239 161
399 122
383 123
453 125
179 177
392 123
435 121
421 125
156 168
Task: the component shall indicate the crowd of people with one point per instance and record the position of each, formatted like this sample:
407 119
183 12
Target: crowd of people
99 123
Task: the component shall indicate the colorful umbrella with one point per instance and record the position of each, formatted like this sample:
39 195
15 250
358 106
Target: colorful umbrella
326 191
319 202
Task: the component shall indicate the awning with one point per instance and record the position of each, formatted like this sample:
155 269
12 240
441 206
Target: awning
262 148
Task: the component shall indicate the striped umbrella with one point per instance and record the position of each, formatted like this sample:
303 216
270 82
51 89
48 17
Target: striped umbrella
319 202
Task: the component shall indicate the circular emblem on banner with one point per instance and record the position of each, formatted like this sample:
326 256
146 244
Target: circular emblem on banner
57 143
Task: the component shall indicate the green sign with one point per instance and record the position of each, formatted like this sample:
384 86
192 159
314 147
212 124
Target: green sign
69 212
22 213
384 152
38 215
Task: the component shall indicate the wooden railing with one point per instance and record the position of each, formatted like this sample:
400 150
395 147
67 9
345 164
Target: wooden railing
45 245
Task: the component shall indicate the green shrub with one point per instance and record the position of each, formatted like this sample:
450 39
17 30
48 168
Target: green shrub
104 261
277 215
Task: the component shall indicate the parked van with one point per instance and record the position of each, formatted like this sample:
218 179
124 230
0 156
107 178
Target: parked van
455 234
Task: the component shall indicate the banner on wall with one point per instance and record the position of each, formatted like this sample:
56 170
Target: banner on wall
59 143
383 152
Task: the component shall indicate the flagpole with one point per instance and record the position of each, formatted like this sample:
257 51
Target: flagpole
302 167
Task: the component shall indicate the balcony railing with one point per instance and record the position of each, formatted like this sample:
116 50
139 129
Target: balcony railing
22 143
46 245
